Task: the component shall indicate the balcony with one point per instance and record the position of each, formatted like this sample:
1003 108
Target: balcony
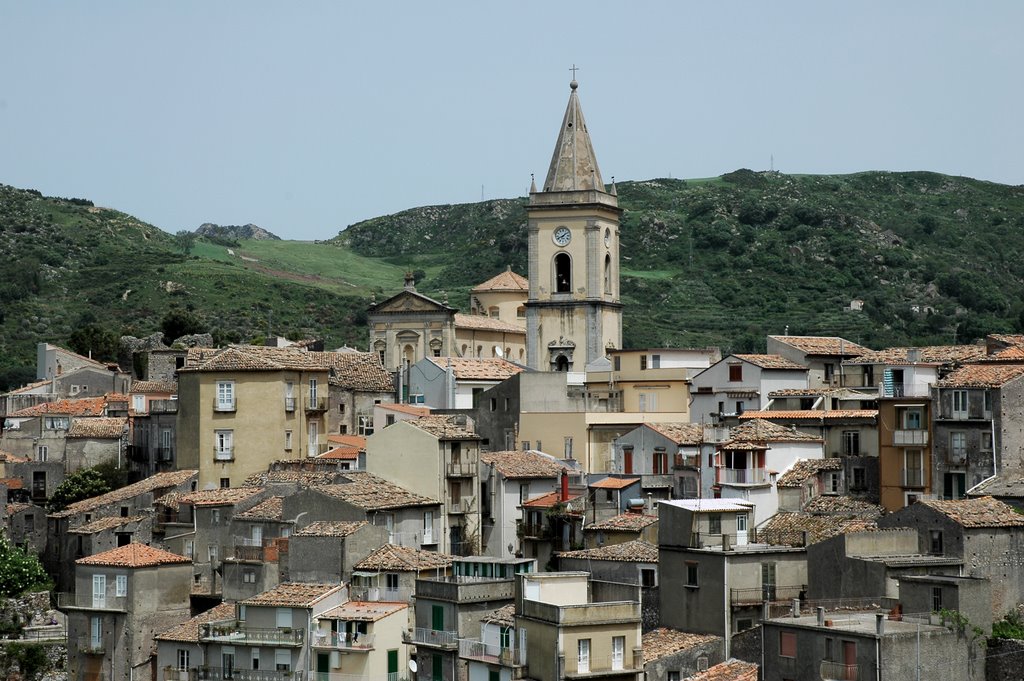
225 405
314 403
489 653
837 671
223 453
87 601
912 477
686 461
380 594
461 469
597 665
341 640
904 438
773 593
87 645
460 506
536 530
420 636
740 476
235 674
230 632
175 674
460 589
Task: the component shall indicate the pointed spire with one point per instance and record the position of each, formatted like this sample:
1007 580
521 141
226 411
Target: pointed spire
573 165
613 191
533 184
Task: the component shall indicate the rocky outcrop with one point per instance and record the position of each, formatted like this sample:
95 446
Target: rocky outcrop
235 232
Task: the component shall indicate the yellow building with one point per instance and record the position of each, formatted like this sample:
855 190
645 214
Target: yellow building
573 314
242 407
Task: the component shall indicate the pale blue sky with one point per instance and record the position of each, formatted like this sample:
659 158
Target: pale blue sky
307 117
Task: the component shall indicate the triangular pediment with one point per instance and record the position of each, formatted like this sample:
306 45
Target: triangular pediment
410 301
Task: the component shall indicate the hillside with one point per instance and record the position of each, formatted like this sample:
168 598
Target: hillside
721 261
234 232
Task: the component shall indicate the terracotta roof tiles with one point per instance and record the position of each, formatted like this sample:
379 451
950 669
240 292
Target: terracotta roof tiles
505 616
822 345
770 362
830 504
225 496
188 632
482 323
370 492
624 522
292 595
787 529
637 551
444 427
392 557
805 469
732 670
270 509
982 376
406 409
134 556
150 484
363 611
661 642
472 369
330 528
680 433
360 371
980 512
761 431
107 523
523 464
145 387
103 428
613 483
354 441
932 354
505 281
86 406
809 414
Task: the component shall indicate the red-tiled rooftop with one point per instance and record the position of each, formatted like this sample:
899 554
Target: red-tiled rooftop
330 528
270 509
637 551
226 496
613 483
505 281
523 464
473 369
188 632
153 483
770 362
354 441
982 375
134 556
809 414
371 492
761 431
404 559
482 323
624 522
157 387
680 433
823 345
444 427
805 469
85 406
292 595
102 428
733 670
980 512
661 642
931 354
363 611
409 409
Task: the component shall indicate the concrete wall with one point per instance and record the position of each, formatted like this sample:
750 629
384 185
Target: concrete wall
684 662
331 559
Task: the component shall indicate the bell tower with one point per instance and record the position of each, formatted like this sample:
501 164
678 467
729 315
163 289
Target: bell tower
573 313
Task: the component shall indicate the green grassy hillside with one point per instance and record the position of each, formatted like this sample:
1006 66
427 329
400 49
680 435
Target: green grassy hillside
722 261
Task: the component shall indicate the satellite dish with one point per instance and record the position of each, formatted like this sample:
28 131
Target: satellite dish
412 666
498 351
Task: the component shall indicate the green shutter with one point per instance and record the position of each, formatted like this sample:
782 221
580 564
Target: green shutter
392 661
437 673
437 618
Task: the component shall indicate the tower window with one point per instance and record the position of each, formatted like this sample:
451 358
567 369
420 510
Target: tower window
608 274
563 273
562 363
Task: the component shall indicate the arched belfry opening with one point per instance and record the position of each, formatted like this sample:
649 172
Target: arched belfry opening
562 363
563 273
608 274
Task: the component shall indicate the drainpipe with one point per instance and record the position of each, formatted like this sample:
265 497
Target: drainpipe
725 607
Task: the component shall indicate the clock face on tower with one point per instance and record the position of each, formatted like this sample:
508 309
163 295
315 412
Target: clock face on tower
562 236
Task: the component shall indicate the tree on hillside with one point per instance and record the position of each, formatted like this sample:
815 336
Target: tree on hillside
178 322
84 484
20 570
185 241
94 341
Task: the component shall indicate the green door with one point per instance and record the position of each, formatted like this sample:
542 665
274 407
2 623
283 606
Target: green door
323 665
437 618
437 674
392 664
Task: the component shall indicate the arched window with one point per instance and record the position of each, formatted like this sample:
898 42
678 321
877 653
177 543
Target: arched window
479 351
464 348
562 363
608 274
521 312
563 273
492 311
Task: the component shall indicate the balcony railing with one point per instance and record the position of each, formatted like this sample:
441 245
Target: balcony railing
244 552
163 406
913 477
772 593
461 469
165 453
87 601
223 453
902 438
460 506
234 674
687 461
740 476
289 404
489 652
175 674
88 645
537 530
316 403
229 632
225 405
837 671
706 540
342 640
598 664
380 594
432 637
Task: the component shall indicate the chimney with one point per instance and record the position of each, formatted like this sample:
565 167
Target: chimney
796 607
649 506
564 496
821 616
880 624
726 543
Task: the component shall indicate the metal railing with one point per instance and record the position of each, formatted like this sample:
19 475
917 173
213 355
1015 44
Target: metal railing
342 640
234 674
163 406
225 405
767 592
905 437
88 601
598 663
229 632
380 594
489 652
461 469
88 645
537 530
837 671
431 637
318 403
289 404
687 461
740 476
223 453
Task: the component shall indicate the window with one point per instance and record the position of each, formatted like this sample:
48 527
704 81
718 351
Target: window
912 418
567 448
521 312
494 404
787 644
860 478
673 676
691 574
655 361
659 462
744 623
648 402
283 617
735 373
648 577
312 392
56 422
389 420
740 406
954 485
960 404
366 426
30 522
183 659
958 446
986 441
139 403
988 403
42 452
913 468
341 408
714 523
563 273
833 482
288 440
583 655
643 362
215 516
121 586
282 660
618 652
225 483
248 576
851 442
212 553
190 548
96 632
935 542
225 396
936 598
223 447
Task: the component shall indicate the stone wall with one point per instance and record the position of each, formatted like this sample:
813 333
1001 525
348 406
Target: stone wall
1003 660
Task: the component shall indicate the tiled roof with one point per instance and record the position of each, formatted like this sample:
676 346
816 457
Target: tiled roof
732 670
28 387
624 522
709 505
105 428
828 504
363 611
444 427
574 503
1005 484
680 433
801 392
761 431
809 414
108 523
86 406
360 371
406 409
981 376
613 483
225 496
134 556
787 529
520 464
7 457
12 483
292 595
355 441
394 558
980 512
1010 339
471 369
169 387
17 508
504 616
150 484
330 528
805 469
770 361
302 477
822 345
506 281
482 323
1014 353
370 492
340 452
637 551
932 354
188 632
663 641
271 509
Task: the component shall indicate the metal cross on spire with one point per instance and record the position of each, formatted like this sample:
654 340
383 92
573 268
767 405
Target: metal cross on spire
574 69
